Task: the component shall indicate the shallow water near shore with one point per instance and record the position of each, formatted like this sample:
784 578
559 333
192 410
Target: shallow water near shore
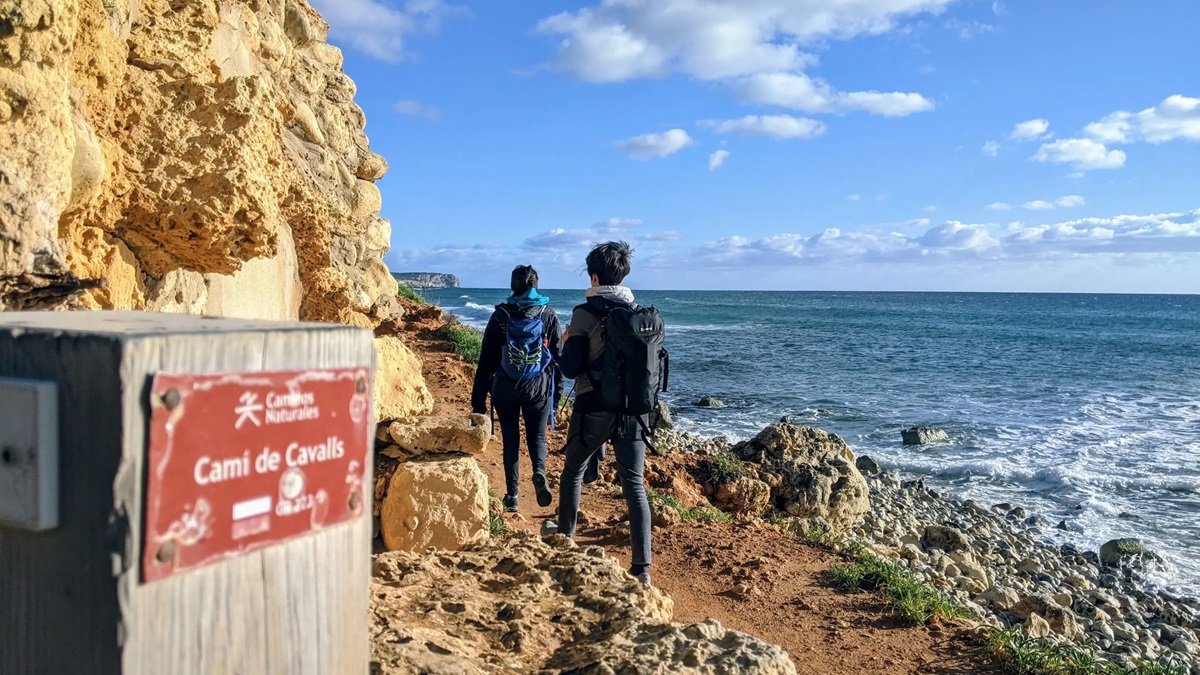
1083 409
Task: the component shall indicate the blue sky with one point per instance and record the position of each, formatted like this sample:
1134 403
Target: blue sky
788 144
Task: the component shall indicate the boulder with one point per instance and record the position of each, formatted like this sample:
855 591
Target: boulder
1061 620
520 604
744 497
1002 598
811 473
400 391
660 418
923 435
948 539
439 502
1036 627
867 466
710 402
1127 553
468 434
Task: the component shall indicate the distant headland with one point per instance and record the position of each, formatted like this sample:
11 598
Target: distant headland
426 279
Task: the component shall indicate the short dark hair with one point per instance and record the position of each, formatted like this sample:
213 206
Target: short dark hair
610 262
524 278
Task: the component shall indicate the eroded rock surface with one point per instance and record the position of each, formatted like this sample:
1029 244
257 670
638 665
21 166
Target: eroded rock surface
205 157
522 605
811 473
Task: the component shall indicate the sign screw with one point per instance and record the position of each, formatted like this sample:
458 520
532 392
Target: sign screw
166 553
355 501
361 385
8 456
171 399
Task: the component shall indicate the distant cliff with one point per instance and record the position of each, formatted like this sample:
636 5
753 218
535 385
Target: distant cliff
426 279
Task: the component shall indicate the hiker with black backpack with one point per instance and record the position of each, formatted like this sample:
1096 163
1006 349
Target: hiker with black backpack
518 367
614 350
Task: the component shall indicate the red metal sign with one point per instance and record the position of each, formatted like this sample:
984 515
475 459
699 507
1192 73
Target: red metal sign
242 461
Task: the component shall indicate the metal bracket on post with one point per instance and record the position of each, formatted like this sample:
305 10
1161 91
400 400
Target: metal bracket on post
28 454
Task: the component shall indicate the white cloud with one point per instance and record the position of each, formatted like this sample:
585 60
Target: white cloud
998 8
991 148
1177 117
800 92
377 28
1081 153
968 30
774 126
853 198
415 109
649 146
1030 130
931 209
716 159
1065 202
999 206
1026 250
756 45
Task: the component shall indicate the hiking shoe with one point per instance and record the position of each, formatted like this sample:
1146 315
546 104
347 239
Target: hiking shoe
643 579
510 503
543 493
549 527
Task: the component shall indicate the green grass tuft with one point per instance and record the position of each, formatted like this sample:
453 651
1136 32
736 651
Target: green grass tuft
496 525
411 295
724 468
1029 656
910 600
703 514
467 341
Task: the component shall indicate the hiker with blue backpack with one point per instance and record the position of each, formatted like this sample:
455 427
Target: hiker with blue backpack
614 350
517 366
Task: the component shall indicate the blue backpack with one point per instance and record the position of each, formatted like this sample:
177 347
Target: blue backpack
526 353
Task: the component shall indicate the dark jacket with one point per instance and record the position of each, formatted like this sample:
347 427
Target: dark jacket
495 337
581 357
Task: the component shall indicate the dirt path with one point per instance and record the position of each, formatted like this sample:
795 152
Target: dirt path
749 577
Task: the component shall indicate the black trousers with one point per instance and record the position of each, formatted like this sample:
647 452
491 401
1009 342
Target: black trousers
529 401
589 432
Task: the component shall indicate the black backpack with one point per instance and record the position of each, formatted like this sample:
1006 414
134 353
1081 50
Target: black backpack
634 366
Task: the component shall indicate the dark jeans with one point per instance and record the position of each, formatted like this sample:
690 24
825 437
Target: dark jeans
589 432
512 403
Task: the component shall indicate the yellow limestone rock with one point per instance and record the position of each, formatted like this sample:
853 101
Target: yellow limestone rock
467 434
433 501
400 391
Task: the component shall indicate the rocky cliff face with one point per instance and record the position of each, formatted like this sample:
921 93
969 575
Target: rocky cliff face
426 280
203 156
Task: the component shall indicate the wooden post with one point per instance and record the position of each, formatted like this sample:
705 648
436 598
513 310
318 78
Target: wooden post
76 599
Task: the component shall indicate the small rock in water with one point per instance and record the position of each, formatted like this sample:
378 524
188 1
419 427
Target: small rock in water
1122 552
867 466
710 402
923 435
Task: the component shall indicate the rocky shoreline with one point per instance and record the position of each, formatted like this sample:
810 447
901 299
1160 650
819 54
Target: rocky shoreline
996 563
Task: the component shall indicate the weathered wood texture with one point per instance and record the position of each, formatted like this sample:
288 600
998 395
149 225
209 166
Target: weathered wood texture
71 600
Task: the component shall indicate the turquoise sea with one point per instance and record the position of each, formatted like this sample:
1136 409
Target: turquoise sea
1084 409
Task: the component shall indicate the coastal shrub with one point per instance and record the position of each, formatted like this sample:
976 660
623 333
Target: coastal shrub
496 525
910 600
1029 656
721 469
467 341
703 514
411 295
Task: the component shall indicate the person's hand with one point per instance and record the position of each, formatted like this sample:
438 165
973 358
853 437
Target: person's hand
567 332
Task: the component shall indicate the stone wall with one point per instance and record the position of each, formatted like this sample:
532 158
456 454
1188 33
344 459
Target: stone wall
203 156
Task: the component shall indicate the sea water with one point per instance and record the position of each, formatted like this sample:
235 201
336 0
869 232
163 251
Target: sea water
1083 409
